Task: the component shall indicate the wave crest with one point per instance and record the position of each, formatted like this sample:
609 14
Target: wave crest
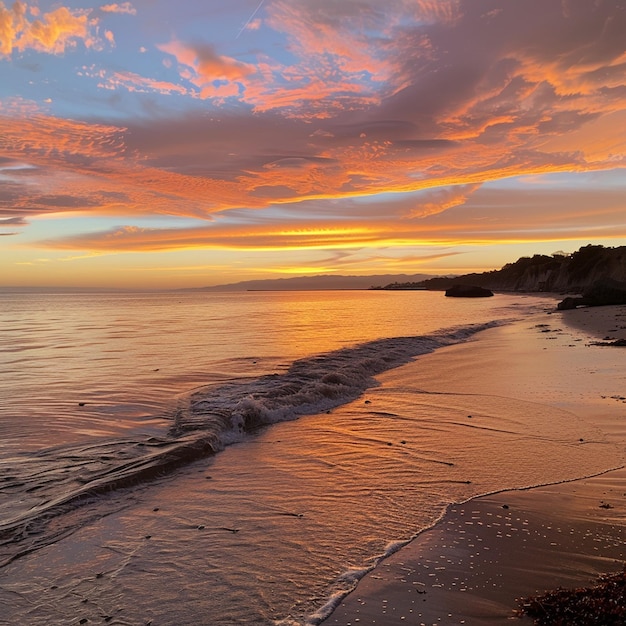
51 482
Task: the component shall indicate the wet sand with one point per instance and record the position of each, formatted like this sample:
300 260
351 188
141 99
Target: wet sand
486 553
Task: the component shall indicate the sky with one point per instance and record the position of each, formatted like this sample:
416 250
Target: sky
161 144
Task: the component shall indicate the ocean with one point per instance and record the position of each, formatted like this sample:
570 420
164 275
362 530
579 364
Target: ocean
232 458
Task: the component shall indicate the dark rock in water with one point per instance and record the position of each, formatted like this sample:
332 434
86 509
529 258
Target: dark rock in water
601 293
468 291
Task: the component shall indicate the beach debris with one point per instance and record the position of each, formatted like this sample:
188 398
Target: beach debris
603 603
606 505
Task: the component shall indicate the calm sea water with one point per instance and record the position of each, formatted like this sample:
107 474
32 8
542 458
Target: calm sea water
152 469
77 366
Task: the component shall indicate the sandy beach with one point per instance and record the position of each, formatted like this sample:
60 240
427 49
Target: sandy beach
484 554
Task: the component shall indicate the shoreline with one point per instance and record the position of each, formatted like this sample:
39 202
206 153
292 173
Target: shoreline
485 554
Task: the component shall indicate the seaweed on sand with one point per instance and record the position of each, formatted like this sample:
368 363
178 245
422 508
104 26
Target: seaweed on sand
603 603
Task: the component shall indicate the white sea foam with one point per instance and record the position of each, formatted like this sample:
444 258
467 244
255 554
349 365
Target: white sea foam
311 385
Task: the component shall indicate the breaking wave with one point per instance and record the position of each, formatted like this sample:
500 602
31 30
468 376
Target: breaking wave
40 492
311 385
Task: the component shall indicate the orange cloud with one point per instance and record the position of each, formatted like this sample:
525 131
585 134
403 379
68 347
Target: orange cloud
488 216
124 7
440 200
203 66
253 25
323 37
130 239
304 95
212 66
192 169
54 33
335 70
92 172
436 11
137 83
384 105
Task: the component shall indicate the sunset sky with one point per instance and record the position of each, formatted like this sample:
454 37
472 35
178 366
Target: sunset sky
161 143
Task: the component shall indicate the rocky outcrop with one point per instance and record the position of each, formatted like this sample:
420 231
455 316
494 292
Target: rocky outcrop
569 303
602 292
468 291
559 273
606 291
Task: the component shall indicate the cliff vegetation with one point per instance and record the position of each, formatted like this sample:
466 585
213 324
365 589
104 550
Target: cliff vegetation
558 273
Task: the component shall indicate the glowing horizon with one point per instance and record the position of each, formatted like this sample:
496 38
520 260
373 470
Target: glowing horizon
190 144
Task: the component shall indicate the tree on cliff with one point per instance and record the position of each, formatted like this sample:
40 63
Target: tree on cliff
560 272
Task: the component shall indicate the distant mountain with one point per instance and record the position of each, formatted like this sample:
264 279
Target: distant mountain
315 283
574 273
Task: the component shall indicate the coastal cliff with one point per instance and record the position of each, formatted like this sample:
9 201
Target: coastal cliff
559 273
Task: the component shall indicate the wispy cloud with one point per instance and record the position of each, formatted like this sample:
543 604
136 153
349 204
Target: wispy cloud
487 216
123 7
250 24
441 200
